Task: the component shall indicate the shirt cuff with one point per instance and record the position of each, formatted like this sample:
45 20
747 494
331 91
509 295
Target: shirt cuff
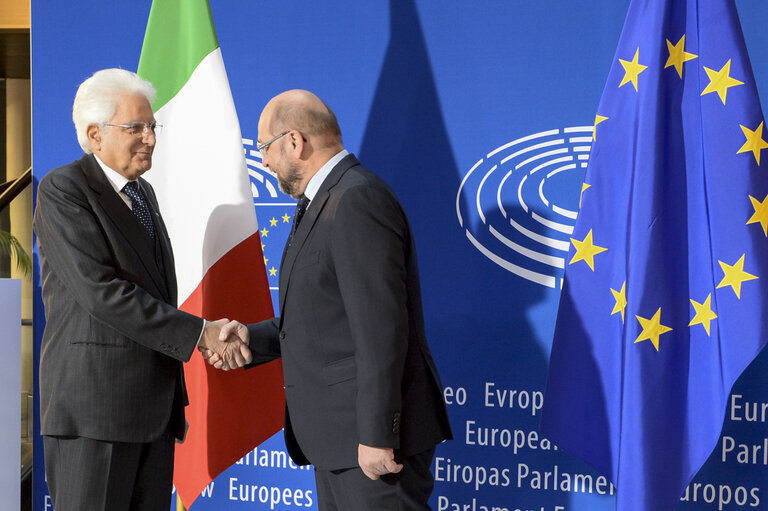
201 333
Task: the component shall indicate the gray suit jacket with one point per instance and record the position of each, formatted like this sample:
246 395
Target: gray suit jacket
110 360
351 335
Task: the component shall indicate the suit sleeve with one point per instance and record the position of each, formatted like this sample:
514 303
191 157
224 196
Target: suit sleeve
74 245
263 341
369 240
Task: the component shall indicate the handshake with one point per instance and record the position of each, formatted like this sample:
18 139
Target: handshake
224 344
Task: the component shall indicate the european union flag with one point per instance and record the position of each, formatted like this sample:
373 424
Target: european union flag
666 288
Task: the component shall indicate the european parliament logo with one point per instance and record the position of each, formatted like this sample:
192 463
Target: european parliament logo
518 204
274 211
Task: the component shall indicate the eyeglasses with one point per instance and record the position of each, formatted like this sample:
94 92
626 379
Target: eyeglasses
262 147
139 128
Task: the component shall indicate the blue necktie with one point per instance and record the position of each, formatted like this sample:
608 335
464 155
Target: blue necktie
301 208
140 208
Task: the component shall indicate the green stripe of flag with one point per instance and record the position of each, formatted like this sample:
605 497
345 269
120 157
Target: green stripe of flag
179 35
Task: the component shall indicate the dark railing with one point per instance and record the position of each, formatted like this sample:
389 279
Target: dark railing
11 189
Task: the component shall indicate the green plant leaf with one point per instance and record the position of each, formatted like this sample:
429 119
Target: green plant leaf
10 245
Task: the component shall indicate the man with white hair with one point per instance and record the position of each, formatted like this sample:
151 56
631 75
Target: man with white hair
112 391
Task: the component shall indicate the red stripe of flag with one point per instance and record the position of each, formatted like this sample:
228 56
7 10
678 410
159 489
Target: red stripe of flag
230 412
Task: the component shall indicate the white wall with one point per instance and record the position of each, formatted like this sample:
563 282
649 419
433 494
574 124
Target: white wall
10 392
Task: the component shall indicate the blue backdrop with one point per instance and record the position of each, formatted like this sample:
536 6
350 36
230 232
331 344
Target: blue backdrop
448 101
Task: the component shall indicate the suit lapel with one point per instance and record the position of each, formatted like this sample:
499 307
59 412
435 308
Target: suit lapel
164 240
308 222
123 218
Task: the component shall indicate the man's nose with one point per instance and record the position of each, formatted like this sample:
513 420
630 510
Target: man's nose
149 137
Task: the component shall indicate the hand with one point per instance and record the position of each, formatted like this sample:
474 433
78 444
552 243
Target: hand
222 350
228 351
377 461
231 332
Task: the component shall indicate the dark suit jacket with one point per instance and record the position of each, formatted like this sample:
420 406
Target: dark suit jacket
351 330
110 361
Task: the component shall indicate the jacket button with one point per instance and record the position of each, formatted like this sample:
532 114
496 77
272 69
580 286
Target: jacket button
281 336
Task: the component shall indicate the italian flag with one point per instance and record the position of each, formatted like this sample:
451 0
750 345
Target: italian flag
201 180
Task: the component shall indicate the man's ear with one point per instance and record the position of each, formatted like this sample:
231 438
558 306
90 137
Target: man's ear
93 133
296 142
300 147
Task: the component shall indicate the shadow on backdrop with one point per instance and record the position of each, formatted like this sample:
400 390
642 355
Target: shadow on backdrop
476 312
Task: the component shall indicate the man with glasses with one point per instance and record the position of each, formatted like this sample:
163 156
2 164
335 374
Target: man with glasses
112 391
363 398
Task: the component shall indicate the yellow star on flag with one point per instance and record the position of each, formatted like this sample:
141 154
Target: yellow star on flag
272 271
586 250
761 213
754 143
632 69
678 56
273 222
584 187
652 329
621 300
735 275
286 218
264 232
598 119
262 247
704 313
720 81
265 260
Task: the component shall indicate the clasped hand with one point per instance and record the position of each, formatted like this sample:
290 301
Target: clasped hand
377 461
224 346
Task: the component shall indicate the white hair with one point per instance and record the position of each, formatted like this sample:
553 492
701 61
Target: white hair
96 99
